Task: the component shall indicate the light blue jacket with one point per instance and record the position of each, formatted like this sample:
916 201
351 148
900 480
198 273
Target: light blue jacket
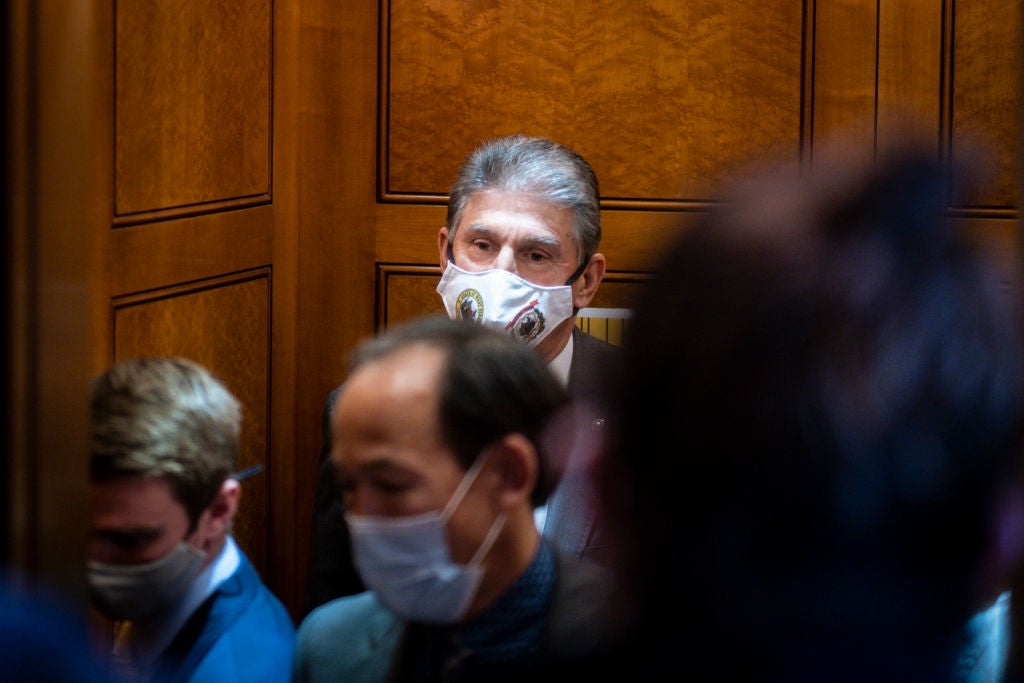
983 659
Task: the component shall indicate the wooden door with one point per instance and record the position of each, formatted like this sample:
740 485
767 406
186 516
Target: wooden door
176 236
201 248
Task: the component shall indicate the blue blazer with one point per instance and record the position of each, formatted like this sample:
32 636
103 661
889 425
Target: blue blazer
242 633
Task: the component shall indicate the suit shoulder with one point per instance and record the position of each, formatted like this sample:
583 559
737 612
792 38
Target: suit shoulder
349 617
594 345
264 607
595 368
360 625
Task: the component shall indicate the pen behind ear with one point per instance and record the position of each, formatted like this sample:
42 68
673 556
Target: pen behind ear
247 472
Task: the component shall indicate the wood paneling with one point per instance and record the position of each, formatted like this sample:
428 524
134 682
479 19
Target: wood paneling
938 71
405 292
336 171
910 63
189 249
285 557
192 104
662 98
598 322
986 100
58 204
843 79
203 245
877 76
223 324
619 290
146 115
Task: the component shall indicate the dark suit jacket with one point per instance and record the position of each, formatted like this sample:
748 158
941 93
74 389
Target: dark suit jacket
572 522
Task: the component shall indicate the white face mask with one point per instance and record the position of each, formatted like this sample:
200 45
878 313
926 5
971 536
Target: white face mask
498 298
406 560
135 591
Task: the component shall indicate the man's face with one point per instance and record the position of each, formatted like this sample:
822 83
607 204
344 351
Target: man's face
388 452
135 520
517 233
533 239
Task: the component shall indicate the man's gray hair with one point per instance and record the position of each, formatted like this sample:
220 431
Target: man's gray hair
548 171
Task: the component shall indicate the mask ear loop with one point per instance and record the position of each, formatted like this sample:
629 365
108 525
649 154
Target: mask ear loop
492 536
579 271
450 254
576 276
459 494
460 490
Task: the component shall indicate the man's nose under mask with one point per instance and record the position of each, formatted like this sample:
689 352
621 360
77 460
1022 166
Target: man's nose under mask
503 300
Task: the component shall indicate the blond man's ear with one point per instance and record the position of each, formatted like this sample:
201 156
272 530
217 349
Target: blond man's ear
215 521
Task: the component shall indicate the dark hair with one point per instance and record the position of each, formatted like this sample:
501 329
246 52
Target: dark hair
490 386
823 389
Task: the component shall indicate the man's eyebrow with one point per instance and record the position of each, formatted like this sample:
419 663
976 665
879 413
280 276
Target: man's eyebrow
474 230
377 465
384 465
541 241
134 535
478 230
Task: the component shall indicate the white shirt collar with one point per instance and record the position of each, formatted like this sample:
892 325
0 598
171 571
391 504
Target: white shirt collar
560 364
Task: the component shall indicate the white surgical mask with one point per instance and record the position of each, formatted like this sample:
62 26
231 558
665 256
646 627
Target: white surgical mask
407 563
135 591
498 298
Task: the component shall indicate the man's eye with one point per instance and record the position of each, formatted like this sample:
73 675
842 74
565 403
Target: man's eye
130 542
390 486
131 545
481 246
348 490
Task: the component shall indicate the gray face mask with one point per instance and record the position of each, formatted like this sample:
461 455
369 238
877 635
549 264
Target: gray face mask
136 591
406 560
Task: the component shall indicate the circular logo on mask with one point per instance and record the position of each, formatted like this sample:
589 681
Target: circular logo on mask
469 306
527 325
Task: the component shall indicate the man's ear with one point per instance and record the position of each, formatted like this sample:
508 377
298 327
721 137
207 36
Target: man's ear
442 247
516 459
215 521
585 287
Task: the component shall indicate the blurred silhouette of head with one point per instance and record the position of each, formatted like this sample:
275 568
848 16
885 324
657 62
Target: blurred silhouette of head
822 394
